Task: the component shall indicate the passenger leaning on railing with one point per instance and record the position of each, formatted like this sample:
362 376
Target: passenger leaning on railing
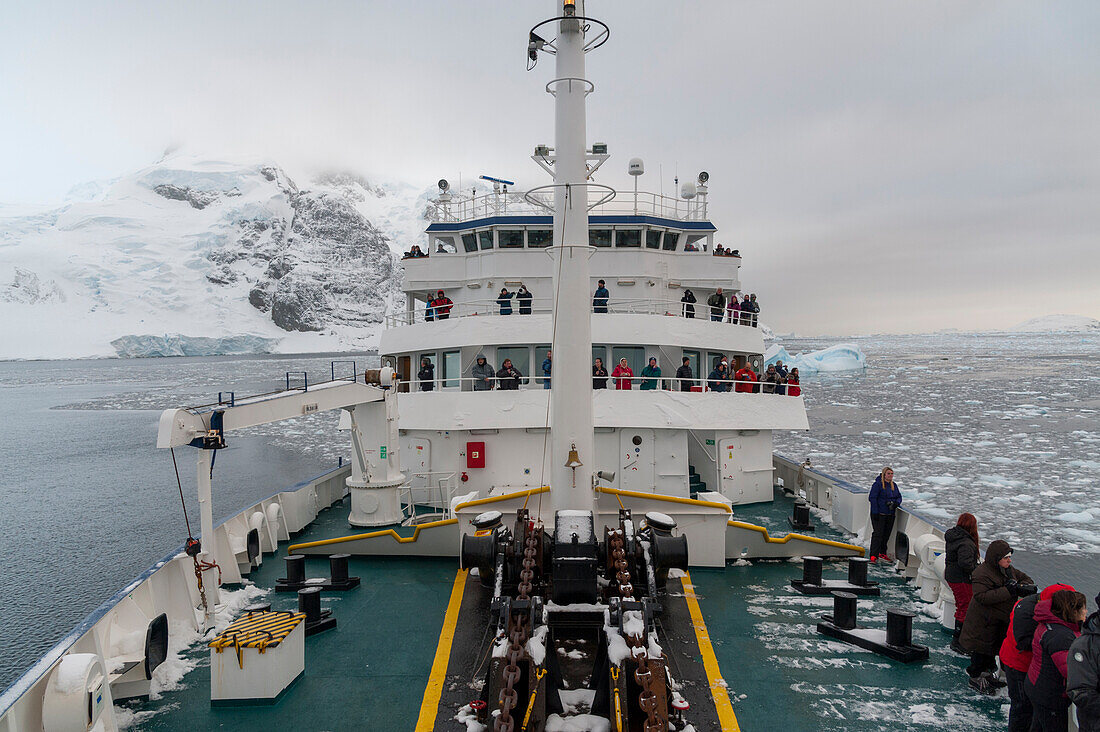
622 375
689 304
504 300
547 367
426 374
599 375
745 377
442 305
524 297
717 303
509 377
793 383
782 371
746 311
755 309
484 373
684 375
719 378
651 372
733 310
600 298
770 382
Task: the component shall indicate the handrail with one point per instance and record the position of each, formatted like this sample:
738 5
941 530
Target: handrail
470 207
664 498
529 382
671 307
374 534
444 505
793 535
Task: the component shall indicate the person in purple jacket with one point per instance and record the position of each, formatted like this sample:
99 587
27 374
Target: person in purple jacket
885 497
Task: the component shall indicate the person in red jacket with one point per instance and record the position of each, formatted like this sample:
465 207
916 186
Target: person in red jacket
744 377
793 388
1058 625
442 305
1016 656
622 375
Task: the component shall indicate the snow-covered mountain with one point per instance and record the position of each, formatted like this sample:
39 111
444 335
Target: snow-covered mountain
1059 324
194 256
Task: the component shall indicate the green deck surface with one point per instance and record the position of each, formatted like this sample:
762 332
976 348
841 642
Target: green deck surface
370 672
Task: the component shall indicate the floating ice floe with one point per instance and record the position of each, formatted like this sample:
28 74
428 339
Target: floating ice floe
841 357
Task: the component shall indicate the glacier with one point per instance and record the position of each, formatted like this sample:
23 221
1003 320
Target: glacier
841 357
177 344
228 256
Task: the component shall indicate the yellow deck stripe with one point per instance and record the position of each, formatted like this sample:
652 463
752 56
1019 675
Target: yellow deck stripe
788 537
434 691
722 704
372 535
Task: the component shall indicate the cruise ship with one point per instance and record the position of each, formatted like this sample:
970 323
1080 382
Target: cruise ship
521 541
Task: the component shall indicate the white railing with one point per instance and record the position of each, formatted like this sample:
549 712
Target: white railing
525 382
539 306
513 203
435 490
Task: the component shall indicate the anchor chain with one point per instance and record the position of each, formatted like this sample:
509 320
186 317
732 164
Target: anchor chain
518 634
647 699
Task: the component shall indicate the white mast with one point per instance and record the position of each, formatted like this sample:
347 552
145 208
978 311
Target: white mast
571 392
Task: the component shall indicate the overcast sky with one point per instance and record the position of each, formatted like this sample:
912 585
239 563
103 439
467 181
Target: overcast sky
882 166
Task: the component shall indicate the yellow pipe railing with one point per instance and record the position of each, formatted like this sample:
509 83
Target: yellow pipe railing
374 534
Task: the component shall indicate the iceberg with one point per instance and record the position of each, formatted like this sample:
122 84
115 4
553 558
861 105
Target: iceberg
176 344
841 357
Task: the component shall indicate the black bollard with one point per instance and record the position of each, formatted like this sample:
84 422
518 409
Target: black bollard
338 567
811 570
844 610
309 602
899 627
857 571
295 569
800 517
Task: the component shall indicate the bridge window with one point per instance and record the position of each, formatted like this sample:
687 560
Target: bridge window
671 239
599 237
653 238
452 369
469 242
445 244
634 355
486 239
510 238
628 238
538 238
693 240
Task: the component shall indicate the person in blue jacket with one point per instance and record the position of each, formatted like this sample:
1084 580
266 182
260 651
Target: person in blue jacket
599 298
547 366
885 497
718 379
504 299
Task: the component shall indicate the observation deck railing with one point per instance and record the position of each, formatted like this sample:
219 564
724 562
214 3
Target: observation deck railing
513 203
541 306
664 383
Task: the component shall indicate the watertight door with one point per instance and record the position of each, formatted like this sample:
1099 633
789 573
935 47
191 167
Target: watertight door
729 462
636 448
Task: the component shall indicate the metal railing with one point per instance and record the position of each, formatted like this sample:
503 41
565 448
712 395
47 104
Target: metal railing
526 382
541 306
512 203
438 495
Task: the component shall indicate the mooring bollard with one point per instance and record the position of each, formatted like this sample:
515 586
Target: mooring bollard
844 610
811 570
295 569
801 514
899 627
309 602
857 571
338 567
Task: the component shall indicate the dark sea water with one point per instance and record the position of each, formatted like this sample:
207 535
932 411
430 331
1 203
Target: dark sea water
1006 427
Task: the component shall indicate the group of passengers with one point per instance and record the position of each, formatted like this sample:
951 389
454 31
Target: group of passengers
743 312
721 251
523 298
414 253
1048 645
438 308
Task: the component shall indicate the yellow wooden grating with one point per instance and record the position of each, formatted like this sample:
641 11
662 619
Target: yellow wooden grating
257 630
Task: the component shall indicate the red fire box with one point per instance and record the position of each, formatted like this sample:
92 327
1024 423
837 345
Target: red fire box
475 454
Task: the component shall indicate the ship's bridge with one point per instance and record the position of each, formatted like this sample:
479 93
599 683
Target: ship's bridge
648 248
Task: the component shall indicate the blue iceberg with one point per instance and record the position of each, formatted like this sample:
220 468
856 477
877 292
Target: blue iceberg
841 357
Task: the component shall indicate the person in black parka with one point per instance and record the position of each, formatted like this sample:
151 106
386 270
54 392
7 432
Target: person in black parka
426 374
997 586
1083 674
689 304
